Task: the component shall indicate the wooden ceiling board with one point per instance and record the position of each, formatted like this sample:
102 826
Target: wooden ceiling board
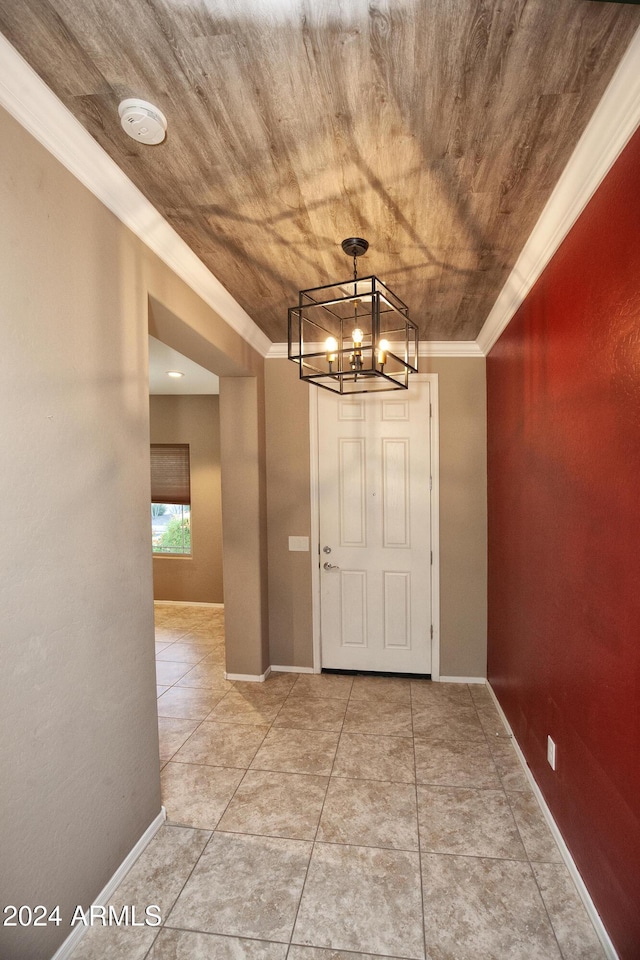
435 130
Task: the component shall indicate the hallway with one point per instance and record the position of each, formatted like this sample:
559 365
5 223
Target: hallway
323 817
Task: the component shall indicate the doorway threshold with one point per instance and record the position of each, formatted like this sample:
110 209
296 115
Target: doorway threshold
377 673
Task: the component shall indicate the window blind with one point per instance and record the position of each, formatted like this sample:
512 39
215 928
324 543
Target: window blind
170 479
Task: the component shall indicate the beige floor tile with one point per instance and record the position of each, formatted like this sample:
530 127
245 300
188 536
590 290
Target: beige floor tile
319 953
216 655
571 924
386 717
297 751
205 636
382 891
428 691
207 675
276 805
160 872
330 685
508 765
482 904
278 682
459 763
375 758
370 813
536 836
381 688
183 652
196 794
484 908
318 714
205 631
173 733
116 943
185 945
480 693
490 720
244 886
222 744
239 708
265 692
168 672
444 719
168 634
474 823
188 703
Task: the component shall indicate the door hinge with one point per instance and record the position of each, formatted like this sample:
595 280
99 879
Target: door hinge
432 631
431 557
430 483
430 410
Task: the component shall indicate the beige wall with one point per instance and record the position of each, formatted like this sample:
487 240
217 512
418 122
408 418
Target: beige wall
289 512
244 526
79 752
463 514
194 420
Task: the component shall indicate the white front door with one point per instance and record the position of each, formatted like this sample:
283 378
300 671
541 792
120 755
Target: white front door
375 536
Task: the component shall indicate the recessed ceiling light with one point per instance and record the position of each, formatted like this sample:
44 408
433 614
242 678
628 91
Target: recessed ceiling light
174 373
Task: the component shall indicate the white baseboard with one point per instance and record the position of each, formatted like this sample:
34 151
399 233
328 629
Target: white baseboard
565 853
66 949
279 669
185 603
462 680
248 677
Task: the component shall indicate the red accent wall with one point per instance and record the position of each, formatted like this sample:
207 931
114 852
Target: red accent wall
564 540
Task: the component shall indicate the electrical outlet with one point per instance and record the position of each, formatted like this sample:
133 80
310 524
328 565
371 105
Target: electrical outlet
551 753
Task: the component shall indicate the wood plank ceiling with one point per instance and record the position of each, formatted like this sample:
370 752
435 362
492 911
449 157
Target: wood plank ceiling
436 130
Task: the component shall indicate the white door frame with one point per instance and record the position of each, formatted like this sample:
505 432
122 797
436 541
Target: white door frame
434 439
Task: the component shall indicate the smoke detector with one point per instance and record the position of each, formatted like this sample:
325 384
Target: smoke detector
142 121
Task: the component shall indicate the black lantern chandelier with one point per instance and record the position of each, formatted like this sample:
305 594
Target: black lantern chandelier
354 336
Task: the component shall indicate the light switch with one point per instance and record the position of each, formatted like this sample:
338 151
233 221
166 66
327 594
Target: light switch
299 543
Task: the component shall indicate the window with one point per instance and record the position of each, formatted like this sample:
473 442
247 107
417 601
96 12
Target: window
170 498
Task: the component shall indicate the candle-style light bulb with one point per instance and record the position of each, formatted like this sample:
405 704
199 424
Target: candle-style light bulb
357 336
331 351
331 348
383 348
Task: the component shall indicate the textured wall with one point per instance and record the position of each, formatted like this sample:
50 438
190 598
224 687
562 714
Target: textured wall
78 790
79 751
194 420
463 514
564 534
244 525
288 485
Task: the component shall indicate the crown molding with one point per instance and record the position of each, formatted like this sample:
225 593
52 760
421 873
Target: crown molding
449 348
614 121
427 348
30 101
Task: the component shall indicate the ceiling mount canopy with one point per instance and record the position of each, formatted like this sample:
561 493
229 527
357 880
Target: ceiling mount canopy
354 336
355 246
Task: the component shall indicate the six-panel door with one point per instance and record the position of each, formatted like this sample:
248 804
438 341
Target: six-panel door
374 496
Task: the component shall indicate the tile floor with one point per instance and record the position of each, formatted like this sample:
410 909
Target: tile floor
338 818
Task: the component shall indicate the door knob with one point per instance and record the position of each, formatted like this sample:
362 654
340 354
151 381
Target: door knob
330 566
